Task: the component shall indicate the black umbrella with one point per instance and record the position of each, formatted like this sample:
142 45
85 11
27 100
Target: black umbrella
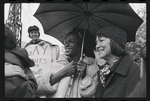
59 18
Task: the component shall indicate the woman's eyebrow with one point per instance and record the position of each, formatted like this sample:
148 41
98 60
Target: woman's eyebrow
99 38
102 37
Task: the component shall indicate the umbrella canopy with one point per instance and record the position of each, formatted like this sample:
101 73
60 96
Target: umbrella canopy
58 19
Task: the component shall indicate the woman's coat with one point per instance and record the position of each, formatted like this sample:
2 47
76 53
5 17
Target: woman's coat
122 80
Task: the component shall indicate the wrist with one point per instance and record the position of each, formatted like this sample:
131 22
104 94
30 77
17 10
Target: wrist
62 73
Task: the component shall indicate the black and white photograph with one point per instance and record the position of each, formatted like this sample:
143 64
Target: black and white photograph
75 50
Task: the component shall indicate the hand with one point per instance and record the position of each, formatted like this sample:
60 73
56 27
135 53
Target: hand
96 54
81 65
99 60
41 43
70 68
13 70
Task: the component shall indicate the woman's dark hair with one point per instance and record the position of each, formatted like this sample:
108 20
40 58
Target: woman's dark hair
116 49
89 41
10 39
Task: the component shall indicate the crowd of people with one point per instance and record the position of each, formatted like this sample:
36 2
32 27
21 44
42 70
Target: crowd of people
104 70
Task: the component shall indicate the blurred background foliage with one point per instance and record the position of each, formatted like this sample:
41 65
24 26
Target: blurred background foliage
134 48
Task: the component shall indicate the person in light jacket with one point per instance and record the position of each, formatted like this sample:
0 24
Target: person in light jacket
71 82
34 34
19 79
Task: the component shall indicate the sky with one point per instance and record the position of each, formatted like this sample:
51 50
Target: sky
27 18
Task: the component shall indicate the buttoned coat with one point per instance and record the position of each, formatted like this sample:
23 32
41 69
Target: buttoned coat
122 80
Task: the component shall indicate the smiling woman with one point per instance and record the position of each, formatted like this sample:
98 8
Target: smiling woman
120 74
72 45
105 46
74 69
34 34
74 40
111 42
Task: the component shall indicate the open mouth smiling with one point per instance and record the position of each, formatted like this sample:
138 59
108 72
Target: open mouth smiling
100 49
68 48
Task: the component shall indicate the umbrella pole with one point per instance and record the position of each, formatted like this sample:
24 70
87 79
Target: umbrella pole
81 56
67 95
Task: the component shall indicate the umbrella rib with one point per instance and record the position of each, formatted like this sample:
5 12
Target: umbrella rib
80 22
120 13
63 22
96 22
56 11
78 6
86 7
110 23
96 7
106 20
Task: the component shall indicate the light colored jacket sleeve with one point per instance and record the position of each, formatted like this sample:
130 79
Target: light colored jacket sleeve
88 84
44 85
18 83
64 82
